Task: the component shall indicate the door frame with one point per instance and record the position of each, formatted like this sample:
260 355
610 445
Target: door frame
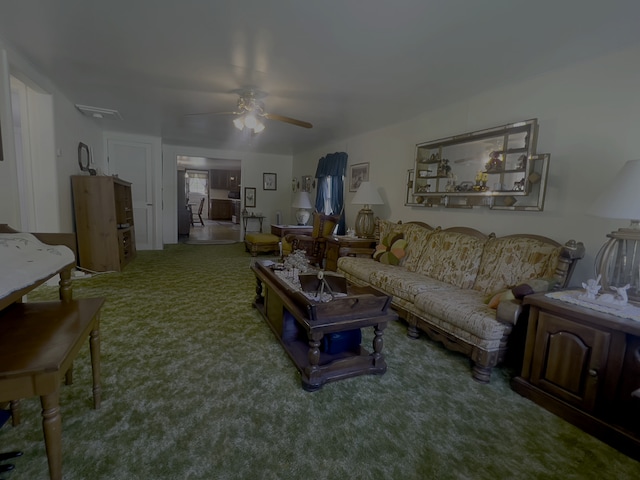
153 176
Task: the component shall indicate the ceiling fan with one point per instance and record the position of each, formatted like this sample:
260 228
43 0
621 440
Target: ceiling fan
250 109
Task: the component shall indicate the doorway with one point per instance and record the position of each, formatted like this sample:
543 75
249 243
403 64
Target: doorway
216 181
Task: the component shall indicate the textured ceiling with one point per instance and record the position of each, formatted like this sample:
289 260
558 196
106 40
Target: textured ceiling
346 66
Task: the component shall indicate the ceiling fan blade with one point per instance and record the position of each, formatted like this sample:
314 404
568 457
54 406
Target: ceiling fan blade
210 113
292 121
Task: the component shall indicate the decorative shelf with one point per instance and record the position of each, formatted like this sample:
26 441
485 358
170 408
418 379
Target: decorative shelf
497 167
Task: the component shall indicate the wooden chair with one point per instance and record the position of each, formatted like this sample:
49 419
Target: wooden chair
200 207
315 244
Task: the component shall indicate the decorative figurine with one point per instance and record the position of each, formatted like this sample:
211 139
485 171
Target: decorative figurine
592 287
620 298
494 163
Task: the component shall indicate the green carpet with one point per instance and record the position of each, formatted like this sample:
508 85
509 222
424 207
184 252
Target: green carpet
195 386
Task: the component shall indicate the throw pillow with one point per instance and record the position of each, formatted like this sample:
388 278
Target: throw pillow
499 297
391 250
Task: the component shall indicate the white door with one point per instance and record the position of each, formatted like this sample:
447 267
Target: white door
133 161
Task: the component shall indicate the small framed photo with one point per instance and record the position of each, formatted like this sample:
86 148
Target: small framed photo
249 197
359 173
269 181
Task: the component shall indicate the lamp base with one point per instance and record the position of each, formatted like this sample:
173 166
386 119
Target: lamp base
365 223
302 216
619 262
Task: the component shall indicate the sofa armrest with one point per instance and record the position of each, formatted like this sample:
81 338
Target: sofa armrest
509 311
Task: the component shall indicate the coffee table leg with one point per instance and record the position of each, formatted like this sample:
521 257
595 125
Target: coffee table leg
312 370
259 299
378 343
52 426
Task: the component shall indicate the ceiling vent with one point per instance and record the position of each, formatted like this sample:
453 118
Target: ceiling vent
100 113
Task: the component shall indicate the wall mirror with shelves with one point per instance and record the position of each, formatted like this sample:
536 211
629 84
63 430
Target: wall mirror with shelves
497 167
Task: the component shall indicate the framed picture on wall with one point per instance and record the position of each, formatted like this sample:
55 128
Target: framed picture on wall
269 181
249 197
307 183
358 173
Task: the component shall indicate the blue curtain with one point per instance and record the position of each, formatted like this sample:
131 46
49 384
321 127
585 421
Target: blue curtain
333 165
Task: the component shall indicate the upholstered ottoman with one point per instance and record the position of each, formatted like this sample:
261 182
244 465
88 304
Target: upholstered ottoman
261 242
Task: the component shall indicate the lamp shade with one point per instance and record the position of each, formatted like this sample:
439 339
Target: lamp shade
301 200
622 198
367 194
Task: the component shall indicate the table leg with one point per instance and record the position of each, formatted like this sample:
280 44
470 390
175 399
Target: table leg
94 347
314 360
65 290
15 412
68 377
259 300
52 426
378 344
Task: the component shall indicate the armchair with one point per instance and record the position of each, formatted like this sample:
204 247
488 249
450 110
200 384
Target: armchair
315 244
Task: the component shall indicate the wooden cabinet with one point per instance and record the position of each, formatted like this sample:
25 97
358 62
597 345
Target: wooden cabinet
104 222
345 246
584 366
234 179
220 209
225 179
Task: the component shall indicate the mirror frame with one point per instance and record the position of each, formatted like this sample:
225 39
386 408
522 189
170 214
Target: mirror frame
84 154
510 176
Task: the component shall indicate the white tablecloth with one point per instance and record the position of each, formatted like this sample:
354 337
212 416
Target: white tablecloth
24 260
574 296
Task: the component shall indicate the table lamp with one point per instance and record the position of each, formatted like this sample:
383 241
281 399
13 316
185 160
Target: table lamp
618 261
366 195
302 202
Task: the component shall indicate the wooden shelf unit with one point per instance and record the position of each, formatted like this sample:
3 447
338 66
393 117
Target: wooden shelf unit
104 222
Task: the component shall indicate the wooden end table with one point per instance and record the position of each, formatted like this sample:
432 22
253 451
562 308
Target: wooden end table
282 230
584 366
346 246
300 325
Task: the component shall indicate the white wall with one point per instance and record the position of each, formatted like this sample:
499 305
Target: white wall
55 137
268 202
589 121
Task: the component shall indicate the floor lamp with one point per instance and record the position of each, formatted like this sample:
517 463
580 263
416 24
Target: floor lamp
618 261
366 195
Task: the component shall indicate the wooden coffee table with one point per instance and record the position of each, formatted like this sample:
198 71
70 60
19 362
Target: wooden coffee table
301 324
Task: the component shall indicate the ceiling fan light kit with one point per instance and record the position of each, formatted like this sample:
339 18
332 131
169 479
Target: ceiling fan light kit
249 121
250 110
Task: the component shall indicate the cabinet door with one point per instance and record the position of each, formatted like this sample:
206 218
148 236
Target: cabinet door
219 179
569 360
234 179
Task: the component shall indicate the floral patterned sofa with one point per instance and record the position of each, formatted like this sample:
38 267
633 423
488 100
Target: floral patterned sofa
449 282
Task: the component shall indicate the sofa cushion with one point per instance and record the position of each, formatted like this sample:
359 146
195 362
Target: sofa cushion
360 269
452 257
464 314
401 283
415 234
511 260
391 250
